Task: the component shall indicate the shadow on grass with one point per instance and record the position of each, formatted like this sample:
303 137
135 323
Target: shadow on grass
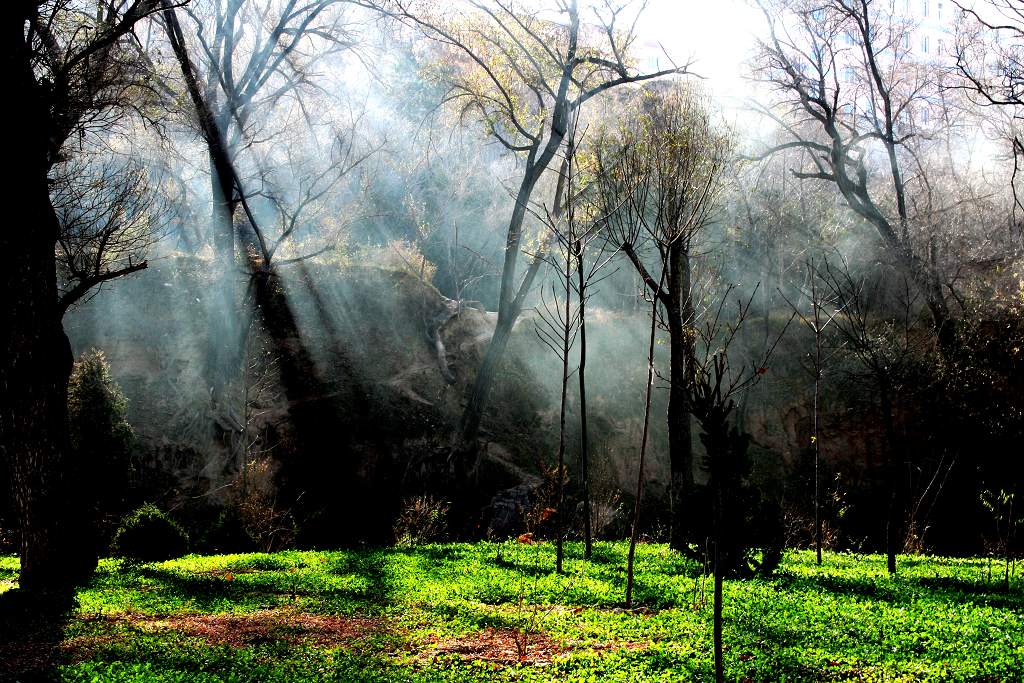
31 630
373 568
211 593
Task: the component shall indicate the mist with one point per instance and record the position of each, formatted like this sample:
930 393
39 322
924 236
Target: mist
550 271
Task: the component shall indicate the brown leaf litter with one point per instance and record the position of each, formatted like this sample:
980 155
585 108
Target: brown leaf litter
263 626
509 646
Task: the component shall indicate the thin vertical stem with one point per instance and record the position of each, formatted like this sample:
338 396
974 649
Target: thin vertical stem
634 531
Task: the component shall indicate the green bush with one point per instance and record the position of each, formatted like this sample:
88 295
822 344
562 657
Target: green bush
148 535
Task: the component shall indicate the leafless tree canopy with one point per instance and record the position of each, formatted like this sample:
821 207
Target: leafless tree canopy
857 107
109 218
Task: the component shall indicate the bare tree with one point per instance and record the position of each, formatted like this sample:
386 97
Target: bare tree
851 97
878 331
109 218
592 256
572 226
669 161
557 325
634 531
243 63
824 308
525 74
989 45
716 382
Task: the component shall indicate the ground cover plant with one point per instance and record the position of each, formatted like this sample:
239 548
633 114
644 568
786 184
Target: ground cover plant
496 611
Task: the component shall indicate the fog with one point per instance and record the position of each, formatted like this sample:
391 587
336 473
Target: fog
329 352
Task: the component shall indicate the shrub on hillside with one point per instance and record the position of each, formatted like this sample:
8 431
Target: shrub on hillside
423 519
149 535
102 440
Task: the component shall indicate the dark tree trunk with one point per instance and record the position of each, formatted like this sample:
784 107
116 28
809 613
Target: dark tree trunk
56 550
510 299
465 450
719 654
679 313
815 436
894 515
718 443
223 332
319 480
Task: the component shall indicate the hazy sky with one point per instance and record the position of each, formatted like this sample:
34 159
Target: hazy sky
718 34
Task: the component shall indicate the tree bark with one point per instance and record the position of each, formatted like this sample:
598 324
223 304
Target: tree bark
675 297
510 298
566 333
679 313
894 515
815 439
37 360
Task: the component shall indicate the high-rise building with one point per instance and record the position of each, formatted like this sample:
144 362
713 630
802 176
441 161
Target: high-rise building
931 26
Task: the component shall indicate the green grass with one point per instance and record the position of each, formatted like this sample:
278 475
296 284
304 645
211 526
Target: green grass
939 619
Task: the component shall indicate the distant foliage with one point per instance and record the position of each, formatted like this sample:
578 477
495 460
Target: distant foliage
149 535
97 406
398 255
423 519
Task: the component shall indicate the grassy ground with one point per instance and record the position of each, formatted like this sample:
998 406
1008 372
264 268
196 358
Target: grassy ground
464 612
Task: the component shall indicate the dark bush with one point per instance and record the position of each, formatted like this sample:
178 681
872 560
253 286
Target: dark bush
148 535
229 533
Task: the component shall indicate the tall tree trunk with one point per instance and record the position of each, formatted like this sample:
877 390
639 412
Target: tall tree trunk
319 479
223 336
814 437
56 550
718 443
566 332
464 453
223 331
679 313
510 299
894 514
719 653
581 290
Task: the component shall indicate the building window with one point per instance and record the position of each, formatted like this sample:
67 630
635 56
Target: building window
924 7
924 44
906 41
940 47
848 74
938 10
924 116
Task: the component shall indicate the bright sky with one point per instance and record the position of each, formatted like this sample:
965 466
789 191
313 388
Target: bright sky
718 34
